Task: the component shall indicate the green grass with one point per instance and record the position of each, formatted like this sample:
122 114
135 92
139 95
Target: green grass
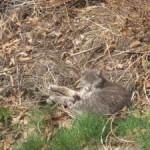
65 139
86 131
137 129
5 116
143 140
33 143
90 127
132 124
40 117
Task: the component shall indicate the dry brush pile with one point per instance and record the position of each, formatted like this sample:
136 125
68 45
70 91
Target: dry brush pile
43 42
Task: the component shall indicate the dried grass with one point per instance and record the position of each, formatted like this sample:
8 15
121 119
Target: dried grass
41 43
45 42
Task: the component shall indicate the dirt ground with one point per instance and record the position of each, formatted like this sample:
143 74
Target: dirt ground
44 42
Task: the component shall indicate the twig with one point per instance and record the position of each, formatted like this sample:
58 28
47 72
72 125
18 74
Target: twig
99 25
67 15
7 69
84 51
144 89
94 60
68 112
11 78
103 132
38 127
123 140
112 119
128 69
130 51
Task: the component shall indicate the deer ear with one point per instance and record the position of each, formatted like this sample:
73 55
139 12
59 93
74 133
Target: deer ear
99 73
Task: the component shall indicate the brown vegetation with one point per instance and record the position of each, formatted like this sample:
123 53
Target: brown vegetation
43 42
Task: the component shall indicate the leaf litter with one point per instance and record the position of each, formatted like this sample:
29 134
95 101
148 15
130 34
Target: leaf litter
44 42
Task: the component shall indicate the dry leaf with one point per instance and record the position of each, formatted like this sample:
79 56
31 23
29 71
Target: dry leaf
22 54
30 40
127 31
1 89
12 62
14 17
23 59
1 23
117 148
15 121
119 66
135 44
30 131
66 124
25 134
44 147
147 84
18 119
33 21
29 37
25 121
108 68
144 63
68 62
6 144
1 126
144 130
